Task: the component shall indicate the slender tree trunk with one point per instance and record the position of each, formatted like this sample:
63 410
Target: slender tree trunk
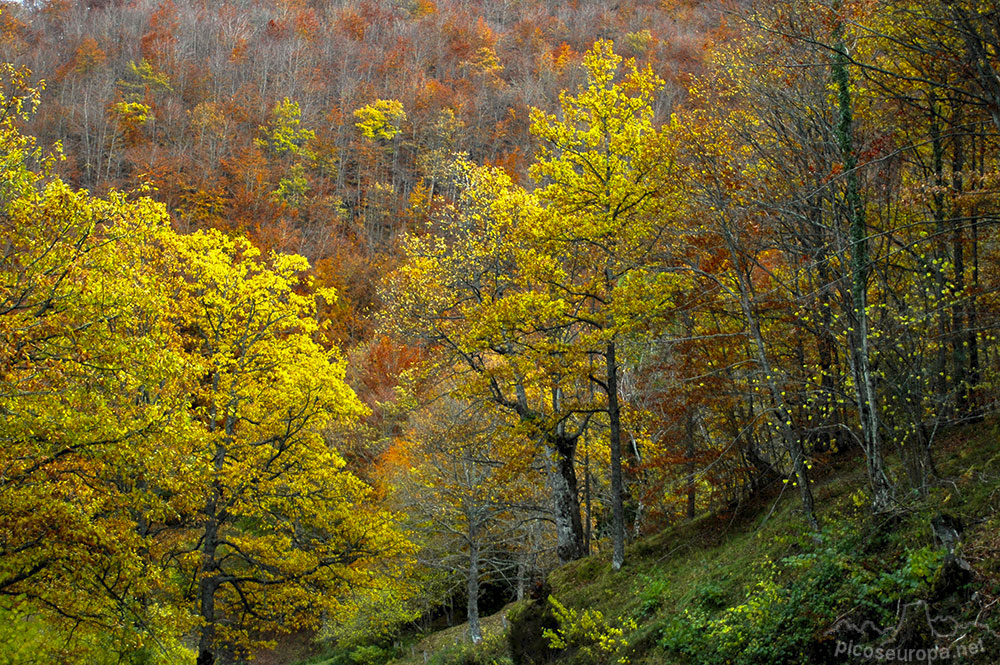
689 453
617 488
868 408
639 505
208 582
960 306
937 159
522 574
586 497
824 350
791 440
972 303
472 585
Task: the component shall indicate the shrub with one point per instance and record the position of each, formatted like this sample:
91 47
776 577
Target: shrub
793 602
589 636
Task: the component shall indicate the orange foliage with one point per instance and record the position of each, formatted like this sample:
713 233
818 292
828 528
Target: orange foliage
239 52
221 76
424 8
276 29
89 56
157 45
352 24
307 25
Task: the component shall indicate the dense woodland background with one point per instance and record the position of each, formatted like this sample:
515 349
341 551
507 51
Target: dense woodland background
344 316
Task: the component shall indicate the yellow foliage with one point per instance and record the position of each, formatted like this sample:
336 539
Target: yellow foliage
167 415
598 641
380 120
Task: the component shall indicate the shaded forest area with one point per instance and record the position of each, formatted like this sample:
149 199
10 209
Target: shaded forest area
402 304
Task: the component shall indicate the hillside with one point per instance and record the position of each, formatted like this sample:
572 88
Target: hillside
755 588
330 324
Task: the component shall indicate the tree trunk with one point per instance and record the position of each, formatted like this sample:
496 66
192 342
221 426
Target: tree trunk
472 587
586 497
208 584
522 574
973 319
792 442
569 526
639 505
824 350
208 581
959 308
559 449
617 488
689 453
882 491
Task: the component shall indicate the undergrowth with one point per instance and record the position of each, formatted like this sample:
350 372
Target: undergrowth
761 591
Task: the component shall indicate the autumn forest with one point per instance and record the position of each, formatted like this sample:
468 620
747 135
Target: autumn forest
336 322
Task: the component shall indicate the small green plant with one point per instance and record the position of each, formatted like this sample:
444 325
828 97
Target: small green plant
589 634
923 564
710 595
793 600
371 655
768 627
652 591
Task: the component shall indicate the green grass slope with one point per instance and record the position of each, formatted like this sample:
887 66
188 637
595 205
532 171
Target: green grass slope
758 589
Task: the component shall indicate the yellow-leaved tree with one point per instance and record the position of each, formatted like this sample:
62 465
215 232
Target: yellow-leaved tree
476 293
91 382
608 210
527 293
275 532
167 419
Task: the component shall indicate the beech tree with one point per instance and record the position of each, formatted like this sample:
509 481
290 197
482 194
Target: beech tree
278 532
583 262
470 500
91 382
603 168
476 293
168 417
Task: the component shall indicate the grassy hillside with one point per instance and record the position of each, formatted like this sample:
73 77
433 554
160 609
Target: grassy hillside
757 588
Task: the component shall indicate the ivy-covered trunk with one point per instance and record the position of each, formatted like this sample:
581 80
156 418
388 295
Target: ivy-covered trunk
864 381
